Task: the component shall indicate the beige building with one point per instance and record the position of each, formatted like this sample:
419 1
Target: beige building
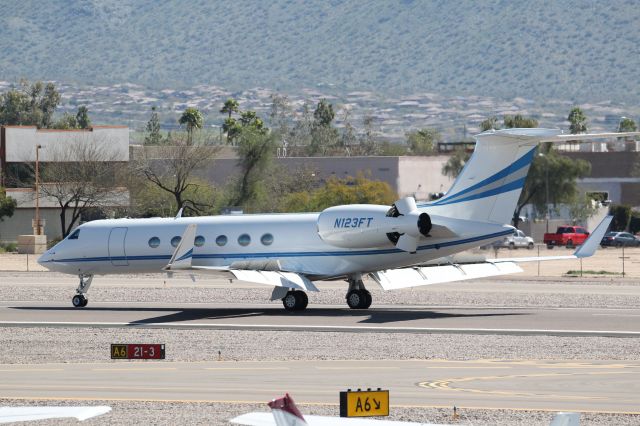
21 145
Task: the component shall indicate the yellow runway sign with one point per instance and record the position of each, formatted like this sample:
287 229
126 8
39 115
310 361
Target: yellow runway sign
364 403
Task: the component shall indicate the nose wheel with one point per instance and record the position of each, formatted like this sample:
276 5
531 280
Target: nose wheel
80 299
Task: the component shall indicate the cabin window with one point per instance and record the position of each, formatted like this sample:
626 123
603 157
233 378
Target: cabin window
75 235
154 242
244 239
221 240
199 241
175 241
267 239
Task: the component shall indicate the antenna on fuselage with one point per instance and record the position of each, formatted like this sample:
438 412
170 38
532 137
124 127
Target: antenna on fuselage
179 215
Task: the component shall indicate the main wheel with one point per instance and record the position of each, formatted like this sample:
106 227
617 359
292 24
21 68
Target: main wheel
512 246
79 301
359 299
367 299
302 300
295 300
354 299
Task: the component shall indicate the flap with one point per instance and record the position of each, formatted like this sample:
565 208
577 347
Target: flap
392 279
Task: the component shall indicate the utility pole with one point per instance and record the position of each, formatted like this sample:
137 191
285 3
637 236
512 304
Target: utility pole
38 228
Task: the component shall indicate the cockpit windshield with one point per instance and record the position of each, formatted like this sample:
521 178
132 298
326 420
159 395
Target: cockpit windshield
74 235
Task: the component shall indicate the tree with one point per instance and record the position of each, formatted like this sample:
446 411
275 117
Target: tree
255 149
518 121
81 175
82 118
175 173
358 190
323 134
230 106
153 136
489 124
323 114
423 141
577 121
7 205
66 122
367 143
192 119
456 162
627 125
250 120
280 116
555 172
29 104
621 216
232 128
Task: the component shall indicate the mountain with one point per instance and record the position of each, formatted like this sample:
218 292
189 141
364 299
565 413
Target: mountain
576 50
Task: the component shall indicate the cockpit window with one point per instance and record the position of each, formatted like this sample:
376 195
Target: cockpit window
74 235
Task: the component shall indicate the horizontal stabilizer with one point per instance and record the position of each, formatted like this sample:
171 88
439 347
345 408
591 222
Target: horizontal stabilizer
393 279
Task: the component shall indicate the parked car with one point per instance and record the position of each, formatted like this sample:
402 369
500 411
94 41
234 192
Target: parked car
569 236
619 239
516 240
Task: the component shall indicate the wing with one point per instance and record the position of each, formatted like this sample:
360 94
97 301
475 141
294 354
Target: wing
23 414
425 275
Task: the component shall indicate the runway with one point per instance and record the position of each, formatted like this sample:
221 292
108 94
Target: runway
553 386
387 319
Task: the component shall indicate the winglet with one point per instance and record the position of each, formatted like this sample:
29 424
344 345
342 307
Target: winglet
591 244
285 412
181 258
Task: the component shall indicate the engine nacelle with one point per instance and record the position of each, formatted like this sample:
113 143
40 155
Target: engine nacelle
369 225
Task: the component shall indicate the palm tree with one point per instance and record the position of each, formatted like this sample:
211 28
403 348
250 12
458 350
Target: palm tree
230 106
192 119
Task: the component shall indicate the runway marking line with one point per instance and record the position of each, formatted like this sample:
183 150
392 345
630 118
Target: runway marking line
319 404
136 369
445 385
28 370
246 368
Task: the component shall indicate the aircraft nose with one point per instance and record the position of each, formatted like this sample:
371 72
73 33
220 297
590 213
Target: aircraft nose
45 258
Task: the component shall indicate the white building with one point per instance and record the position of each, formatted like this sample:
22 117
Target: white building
18 146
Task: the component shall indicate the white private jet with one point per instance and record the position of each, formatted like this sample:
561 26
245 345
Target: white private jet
397 246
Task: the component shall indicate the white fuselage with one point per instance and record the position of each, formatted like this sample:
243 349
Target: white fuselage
144 245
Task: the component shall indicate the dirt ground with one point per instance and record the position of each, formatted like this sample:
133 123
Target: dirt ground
608 260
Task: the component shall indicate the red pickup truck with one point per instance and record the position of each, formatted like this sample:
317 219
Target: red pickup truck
569 236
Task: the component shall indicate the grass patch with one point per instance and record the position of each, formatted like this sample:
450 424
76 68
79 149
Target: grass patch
574 273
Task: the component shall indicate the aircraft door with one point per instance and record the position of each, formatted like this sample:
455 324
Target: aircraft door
117 253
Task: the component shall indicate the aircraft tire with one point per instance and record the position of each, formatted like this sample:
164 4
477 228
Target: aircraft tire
79 301
301 299
359 299
367 300
295 300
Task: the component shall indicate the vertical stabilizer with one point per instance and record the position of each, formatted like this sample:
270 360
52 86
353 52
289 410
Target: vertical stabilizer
488 188
285 412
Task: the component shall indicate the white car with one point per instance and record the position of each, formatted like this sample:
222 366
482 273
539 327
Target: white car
514 241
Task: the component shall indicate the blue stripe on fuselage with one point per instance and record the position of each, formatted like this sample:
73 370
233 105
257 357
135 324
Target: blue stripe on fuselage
287 254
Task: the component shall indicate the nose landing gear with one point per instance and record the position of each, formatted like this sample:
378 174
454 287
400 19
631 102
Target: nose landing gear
80 299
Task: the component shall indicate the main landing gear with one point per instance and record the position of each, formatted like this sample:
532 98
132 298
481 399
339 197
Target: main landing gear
358 297
80 299
295 300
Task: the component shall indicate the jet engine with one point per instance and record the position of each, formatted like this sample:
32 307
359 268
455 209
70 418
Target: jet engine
369 225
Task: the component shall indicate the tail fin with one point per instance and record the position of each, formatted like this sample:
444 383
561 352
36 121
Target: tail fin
490 184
